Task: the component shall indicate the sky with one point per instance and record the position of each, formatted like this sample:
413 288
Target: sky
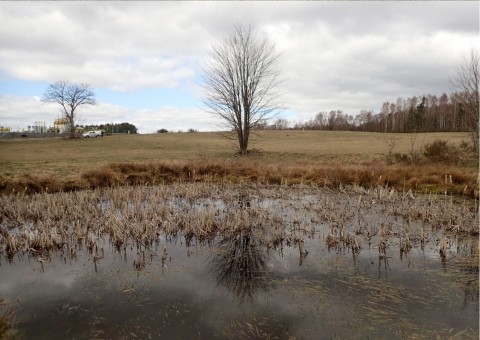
143 60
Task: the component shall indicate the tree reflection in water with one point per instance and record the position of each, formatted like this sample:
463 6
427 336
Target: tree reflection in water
240 264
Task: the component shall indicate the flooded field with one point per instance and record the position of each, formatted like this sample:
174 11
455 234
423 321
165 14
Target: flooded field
222 261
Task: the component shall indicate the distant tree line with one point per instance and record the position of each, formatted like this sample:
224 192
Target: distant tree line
179 131
112 128
421 114
427 113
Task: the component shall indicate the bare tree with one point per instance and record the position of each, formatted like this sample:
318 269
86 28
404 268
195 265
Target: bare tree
70 96
280 124
466 83
240 82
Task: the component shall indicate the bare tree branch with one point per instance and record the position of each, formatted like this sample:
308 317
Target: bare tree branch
466 85
69 96
240 82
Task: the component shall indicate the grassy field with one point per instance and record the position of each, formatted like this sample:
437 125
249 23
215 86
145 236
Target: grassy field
279 156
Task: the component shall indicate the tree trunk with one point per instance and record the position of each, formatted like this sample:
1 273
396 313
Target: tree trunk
72 126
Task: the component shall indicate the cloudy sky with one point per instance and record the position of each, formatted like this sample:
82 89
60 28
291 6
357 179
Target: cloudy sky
143 59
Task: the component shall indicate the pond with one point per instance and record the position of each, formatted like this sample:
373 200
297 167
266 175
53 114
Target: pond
223 261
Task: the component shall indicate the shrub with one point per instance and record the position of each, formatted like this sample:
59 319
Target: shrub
442 152
401 157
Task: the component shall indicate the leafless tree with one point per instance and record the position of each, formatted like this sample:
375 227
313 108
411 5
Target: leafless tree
70 96
280 124
240 82
466 85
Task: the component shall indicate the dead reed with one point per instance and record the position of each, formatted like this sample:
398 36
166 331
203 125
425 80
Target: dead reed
351 219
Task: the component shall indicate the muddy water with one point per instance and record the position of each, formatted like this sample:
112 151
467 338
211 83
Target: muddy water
240 285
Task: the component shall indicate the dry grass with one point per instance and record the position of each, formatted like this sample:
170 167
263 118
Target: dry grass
37 224
325 158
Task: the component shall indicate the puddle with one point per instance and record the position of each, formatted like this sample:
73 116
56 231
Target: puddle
280 263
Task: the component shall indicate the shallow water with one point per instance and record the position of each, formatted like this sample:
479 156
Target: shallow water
238 285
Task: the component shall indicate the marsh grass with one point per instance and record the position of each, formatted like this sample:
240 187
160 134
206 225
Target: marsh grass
354 218
318 158
424 179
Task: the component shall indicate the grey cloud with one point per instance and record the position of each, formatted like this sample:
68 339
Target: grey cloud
334 55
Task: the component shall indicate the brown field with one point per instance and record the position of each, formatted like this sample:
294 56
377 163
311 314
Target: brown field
326 158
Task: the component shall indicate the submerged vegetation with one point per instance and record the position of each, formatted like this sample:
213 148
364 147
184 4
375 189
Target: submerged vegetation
7 319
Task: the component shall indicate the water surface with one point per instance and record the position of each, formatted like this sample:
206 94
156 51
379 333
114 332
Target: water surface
281 279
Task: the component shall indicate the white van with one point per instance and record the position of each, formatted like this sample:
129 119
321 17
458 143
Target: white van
95 133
